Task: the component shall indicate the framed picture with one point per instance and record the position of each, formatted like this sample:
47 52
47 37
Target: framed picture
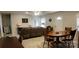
24 20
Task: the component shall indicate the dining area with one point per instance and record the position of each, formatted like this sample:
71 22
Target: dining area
59 39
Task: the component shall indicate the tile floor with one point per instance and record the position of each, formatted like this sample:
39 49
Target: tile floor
38 42
33 42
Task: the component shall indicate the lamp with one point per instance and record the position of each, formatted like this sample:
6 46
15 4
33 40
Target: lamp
18 24
59 18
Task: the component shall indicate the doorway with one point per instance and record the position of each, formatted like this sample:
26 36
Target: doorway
6 24
58 24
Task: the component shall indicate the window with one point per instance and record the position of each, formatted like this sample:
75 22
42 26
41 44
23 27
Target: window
36 21
39 22
43 21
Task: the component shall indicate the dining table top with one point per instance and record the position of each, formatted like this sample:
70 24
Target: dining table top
58 34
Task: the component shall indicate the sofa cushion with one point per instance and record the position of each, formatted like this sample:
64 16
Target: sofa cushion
31 32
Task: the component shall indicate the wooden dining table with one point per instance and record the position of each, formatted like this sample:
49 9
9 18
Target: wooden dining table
58 35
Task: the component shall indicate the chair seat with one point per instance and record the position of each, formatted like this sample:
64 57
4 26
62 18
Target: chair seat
67 40
50 39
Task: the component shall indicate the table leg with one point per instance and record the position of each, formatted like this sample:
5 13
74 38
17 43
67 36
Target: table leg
57 42
57 39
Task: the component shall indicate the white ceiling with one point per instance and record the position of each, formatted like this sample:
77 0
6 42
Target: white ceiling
28 12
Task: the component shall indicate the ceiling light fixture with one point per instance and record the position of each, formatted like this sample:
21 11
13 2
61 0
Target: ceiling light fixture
37 13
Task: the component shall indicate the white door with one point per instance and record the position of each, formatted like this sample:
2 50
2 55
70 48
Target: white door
77 23
58 24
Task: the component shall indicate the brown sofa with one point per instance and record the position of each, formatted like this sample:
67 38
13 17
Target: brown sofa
30 32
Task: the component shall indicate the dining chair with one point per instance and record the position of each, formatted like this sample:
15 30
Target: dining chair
69 41
68 29
46 37
49 28
49 41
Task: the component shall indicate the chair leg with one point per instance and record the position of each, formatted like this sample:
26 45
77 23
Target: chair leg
68 44
72 44
48 44
65 44
43 44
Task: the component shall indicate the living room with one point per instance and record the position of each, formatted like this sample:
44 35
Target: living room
22 35
35 19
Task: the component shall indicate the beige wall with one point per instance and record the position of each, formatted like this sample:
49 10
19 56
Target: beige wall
16 19
68 18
